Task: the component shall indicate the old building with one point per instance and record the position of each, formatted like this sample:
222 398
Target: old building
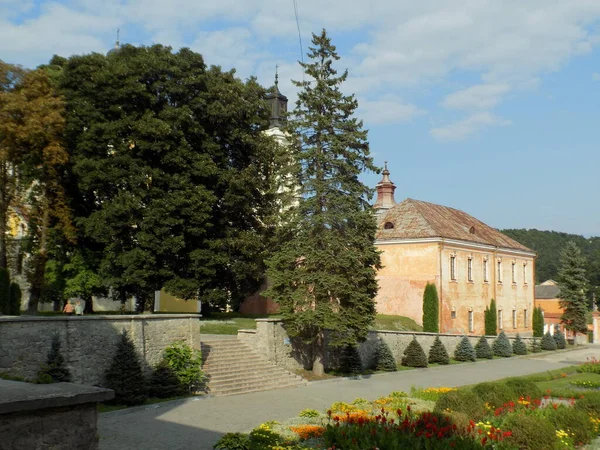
469 262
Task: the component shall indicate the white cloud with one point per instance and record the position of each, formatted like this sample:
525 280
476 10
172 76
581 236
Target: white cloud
481 96
596 76
389 110
465 128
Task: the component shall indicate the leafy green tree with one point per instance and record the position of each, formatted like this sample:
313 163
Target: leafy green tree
491 319
502 346
430 309
438 353
125 376
483 349
538 321
323 275
414 356
81 280
464 350
573 284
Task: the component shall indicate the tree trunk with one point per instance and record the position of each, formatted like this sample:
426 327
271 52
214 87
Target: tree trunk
4 203
89 305
37 281
318 367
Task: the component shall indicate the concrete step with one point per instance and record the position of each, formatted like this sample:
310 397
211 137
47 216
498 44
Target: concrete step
243 390
240 365
233 359
251 382
263 374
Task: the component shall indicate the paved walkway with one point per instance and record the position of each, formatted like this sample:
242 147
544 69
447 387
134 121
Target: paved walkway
198 423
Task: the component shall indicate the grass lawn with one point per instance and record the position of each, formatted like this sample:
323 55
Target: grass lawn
395 323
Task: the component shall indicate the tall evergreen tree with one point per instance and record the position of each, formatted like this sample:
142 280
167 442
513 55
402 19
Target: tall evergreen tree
573 284
323 276
430 309
491 319
125 375
538 322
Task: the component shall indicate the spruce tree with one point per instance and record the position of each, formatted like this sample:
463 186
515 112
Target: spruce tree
464 350
438 353
4 291
536 346
15 299
519 347
125 376
538 322
491 319
350 361
55 370
384 360
483 349
548 342
430 309
164 383
559 337
573 285
414 356
323 274
502 346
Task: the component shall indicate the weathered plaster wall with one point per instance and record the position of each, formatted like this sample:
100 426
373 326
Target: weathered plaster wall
88 342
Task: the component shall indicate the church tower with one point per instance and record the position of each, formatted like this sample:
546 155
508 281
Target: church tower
278 103
385 193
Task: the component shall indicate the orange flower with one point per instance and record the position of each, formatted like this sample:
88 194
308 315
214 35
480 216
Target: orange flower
308 431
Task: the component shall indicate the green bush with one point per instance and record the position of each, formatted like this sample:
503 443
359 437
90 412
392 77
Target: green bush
431 309
464 350
576 421
462 401
523 387
592 366
494 393
548 342
384 360
233 441
164 383
561 342
538 322
483 349
264 438
125 376
519 347
590 403
186 364
536 346
15 299
491 319
501 346
311 412
414 356
350 361
438 353
55 369
529 432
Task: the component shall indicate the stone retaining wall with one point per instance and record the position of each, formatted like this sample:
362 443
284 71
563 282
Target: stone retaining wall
88 342
271 340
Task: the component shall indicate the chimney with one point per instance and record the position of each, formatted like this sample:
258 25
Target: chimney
385 192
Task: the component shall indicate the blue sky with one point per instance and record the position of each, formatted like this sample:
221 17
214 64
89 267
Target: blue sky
488 106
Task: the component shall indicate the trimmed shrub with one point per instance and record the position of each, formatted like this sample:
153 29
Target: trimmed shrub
15 299
414 356
431 309
263 437
536 346
462 401
538 322
491 319
233 441
125 376
590 403
186 364
438 353
55 370
576 421
464 351
483 349
313 413
164 382
529 432
519 347
350 361
548 342
494 393
384 360
561 342
524 388
501 346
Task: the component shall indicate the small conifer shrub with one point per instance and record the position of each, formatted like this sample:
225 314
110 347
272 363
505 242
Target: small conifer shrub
502 346
384 360
519 347
164 383
414 356
559 337
483 349
536 346
430 309
125 376
55 369
548 342
350 361
464 350
438 353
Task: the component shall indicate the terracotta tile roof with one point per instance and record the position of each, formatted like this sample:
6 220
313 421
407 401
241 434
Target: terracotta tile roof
414 219
546 291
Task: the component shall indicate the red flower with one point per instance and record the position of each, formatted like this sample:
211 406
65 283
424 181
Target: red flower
472 423
507 434
483 441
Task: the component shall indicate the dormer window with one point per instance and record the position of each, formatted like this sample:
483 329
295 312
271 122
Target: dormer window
388 226
472 230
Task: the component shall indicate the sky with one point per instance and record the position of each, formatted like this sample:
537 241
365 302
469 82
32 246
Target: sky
488 106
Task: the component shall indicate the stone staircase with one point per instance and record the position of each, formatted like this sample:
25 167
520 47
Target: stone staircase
232 367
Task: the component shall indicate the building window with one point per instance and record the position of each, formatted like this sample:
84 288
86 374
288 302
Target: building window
524 273
453 314
525 318
514 318
453 268
499 271
500 321
388 226
485 270
470 269
471 321
512 271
